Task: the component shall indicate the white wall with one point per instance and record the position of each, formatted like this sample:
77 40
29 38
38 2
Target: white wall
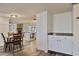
20 20
4 25
62 22
4 28
49 22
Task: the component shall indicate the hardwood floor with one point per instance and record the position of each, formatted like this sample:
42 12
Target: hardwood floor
29 49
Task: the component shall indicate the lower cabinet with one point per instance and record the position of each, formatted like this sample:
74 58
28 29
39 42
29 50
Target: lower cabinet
67 45
52 44
60 44
76 47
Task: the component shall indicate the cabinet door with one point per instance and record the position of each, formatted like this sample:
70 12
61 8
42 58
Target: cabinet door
55 44
76 29
65 23
59 43
76 47
67 45
52 44
76 38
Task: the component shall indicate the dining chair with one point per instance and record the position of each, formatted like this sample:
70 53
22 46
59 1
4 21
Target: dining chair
6 42
17 42
22 35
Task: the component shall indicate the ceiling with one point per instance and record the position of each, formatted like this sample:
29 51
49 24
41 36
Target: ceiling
28 10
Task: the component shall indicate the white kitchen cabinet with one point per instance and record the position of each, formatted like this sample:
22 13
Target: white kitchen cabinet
76 47
52 44
76 38
76 29
55 43
62 44
58 43
62 22
67 45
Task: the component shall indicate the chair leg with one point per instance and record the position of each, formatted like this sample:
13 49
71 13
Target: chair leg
9 48
20 46
22 43
4 48
13 50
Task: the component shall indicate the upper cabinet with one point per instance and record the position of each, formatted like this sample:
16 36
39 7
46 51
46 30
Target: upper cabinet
76 29
76 10
62 22
49 22
76 20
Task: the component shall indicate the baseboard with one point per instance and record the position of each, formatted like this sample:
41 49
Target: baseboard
64 54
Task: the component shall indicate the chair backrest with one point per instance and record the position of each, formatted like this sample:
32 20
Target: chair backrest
3 37
16 37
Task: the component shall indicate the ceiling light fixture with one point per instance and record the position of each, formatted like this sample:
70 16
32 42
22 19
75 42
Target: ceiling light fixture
34 19
13 16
